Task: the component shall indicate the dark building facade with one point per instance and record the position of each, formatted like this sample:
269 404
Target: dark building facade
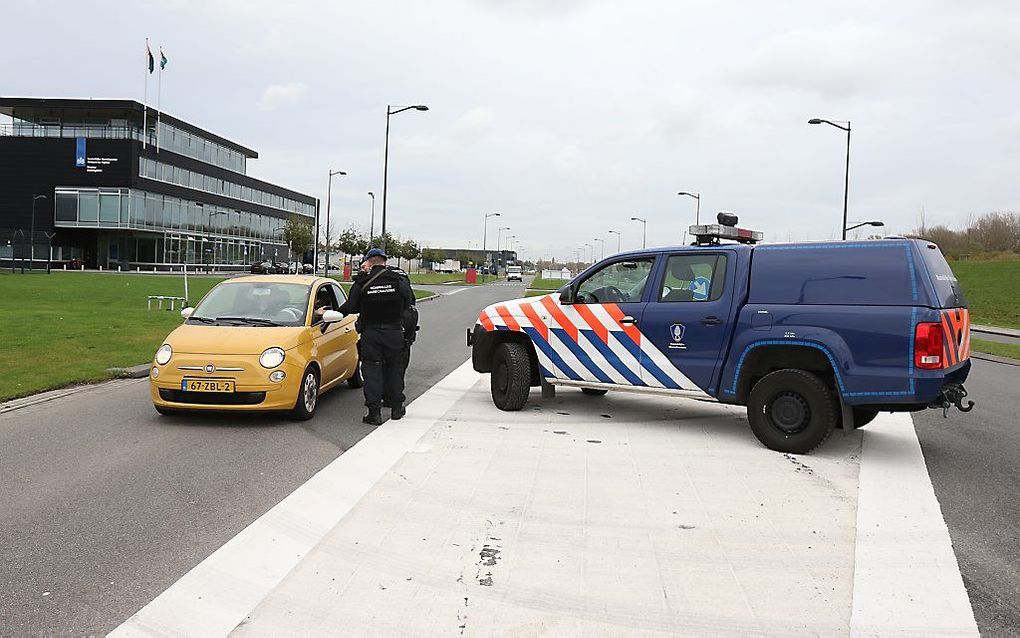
118 195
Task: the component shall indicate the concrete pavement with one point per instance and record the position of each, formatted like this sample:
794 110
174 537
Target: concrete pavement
619 514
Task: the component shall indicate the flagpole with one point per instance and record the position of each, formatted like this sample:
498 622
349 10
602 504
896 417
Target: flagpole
159 96
145 98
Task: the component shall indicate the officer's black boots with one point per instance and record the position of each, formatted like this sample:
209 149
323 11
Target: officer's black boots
374 417
397 413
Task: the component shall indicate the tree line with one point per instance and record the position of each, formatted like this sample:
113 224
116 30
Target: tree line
989 236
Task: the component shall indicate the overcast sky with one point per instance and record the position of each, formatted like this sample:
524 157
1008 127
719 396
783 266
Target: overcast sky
571 116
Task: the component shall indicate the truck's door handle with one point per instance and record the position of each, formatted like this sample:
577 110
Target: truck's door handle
711 321
627 320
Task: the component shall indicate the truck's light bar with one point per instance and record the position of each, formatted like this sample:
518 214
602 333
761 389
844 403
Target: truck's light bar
709 233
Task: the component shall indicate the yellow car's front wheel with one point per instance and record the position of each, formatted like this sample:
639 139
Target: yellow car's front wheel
308 395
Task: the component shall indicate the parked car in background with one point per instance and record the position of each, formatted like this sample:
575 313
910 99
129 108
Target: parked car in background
262 268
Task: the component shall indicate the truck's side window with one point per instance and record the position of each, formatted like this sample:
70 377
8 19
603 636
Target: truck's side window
693 278
622 281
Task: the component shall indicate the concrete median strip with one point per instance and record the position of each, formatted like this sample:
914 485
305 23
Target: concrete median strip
582 515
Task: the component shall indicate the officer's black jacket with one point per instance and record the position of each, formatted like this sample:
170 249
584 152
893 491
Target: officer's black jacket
384 299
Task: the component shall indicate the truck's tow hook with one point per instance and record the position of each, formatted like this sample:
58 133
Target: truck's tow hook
953 394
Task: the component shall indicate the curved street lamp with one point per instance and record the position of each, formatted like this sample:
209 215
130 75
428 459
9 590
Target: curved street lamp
329 195
644 229
697 211
485 234
617 233
846 177
390 110
859 224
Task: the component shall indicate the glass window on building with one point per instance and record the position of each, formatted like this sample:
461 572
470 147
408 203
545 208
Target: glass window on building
88 206
125 207
109 207
67 206
137 209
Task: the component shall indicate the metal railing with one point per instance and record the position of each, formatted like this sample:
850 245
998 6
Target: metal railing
22 129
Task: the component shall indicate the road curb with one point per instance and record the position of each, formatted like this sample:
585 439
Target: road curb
434 295
134 372
995 330
991 357
51 395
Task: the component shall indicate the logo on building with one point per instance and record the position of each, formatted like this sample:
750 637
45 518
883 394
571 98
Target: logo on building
79 152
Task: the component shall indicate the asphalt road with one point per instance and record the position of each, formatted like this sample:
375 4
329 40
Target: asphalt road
104 504
974 463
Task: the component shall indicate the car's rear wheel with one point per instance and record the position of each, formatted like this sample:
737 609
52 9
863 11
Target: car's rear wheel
594 392
863 416
510 381
356 380
308 395
792 411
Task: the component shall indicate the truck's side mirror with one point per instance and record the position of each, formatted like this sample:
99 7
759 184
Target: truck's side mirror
567 296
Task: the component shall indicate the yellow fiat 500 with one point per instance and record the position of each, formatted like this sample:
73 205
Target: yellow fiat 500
258 343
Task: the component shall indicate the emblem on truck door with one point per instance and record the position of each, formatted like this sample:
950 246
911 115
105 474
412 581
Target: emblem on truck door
676 333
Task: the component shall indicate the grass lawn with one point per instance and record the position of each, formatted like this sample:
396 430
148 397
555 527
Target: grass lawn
65 327
992 289
547 284
999 349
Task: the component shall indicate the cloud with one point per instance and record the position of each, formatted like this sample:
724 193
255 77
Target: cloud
277 95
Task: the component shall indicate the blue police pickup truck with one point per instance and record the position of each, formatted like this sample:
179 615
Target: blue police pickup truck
809 336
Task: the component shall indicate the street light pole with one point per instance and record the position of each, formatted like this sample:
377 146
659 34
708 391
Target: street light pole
846 175
329 196
371 226
31 237
859 224
697 211
617 233
644 230
499 232
485 233
602 255
386 160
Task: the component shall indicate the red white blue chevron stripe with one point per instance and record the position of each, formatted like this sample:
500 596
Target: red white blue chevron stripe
586 342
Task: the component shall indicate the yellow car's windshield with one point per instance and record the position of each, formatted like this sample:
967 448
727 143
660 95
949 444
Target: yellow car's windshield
254 303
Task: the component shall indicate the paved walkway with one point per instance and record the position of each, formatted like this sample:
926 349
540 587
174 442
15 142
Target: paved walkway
622 514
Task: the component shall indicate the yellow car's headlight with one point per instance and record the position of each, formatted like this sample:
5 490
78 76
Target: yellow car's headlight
272 357
163 354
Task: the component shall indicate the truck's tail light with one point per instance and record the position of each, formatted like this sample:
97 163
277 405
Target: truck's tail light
928 346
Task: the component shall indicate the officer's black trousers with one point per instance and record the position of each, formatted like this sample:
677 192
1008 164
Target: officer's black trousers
382 366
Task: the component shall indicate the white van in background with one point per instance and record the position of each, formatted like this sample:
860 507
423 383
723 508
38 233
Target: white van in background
514 273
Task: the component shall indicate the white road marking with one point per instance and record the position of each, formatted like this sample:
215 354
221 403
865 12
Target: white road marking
906 578
217 594
453 292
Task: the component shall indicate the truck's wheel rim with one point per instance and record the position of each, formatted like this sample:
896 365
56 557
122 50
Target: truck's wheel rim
500 376
310 393
790 412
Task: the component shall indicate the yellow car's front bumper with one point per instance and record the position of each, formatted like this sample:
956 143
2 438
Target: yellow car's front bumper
253 390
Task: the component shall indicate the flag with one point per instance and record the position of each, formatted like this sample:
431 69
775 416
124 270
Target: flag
152 61
162 59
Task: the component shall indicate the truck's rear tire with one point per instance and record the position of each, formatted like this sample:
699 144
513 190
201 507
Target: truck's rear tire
510 381
863 416
792 411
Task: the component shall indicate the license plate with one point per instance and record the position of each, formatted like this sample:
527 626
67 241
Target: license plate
207 385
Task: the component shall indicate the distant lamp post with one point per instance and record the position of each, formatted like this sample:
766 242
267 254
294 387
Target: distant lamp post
499 232
371 225
390 110
602 255
617 233
859 224
31 236
329 196
644 229
846 177
485 234
697 211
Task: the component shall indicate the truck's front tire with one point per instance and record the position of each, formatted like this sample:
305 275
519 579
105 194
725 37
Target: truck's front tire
792 411
510 381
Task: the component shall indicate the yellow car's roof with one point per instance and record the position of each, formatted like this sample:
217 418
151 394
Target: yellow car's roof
307 280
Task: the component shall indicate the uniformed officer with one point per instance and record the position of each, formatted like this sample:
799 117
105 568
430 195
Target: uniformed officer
382 296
